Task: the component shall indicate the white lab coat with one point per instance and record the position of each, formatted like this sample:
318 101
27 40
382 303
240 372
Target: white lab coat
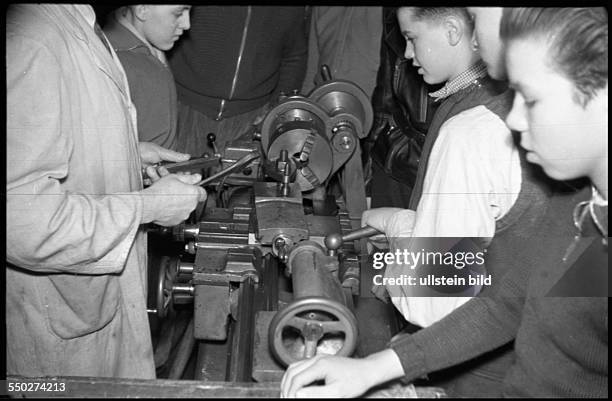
76 259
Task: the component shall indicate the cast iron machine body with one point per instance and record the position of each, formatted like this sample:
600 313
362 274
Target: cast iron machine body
261 277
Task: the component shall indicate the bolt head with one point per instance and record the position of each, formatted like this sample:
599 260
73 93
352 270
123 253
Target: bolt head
346 142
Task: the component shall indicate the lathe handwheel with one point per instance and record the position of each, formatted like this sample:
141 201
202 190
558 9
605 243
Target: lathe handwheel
302 316
165 279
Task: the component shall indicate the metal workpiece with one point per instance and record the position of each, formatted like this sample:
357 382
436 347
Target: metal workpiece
284 167
308 149
268 192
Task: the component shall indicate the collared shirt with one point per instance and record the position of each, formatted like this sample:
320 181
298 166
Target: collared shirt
461 81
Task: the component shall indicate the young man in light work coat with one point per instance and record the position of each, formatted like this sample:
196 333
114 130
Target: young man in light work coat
76 254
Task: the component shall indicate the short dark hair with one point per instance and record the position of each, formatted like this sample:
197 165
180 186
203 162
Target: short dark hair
433 13
578 40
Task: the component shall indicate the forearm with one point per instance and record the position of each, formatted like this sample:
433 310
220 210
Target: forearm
69 232
481 325
385 366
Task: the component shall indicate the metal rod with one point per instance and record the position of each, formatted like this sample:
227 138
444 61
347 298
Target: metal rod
363 232
243 161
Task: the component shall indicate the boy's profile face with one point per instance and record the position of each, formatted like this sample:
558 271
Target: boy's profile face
486 33
164 24
427 45
565 138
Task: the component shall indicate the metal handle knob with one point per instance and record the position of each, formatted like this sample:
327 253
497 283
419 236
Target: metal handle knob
334 241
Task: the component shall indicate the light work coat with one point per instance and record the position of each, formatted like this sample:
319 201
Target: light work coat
76 258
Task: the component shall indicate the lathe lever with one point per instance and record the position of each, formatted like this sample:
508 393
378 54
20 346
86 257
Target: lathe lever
334 241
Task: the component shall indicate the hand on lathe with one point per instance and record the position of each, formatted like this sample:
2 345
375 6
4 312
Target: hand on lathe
341 376
393 221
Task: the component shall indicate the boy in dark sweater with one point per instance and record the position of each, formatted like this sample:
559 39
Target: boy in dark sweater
555 310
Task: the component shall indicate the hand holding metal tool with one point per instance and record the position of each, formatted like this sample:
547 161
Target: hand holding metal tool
241 163
194 165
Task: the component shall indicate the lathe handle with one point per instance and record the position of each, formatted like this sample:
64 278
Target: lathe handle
363 232
334 241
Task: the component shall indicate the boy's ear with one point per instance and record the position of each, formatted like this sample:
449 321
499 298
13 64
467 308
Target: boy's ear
454 29
141 11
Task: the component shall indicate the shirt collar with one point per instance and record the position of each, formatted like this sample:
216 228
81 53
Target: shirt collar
461 81
597 198
597 209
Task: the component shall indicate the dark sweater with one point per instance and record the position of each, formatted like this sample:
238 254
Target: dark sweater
561 343
234 59
482 376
